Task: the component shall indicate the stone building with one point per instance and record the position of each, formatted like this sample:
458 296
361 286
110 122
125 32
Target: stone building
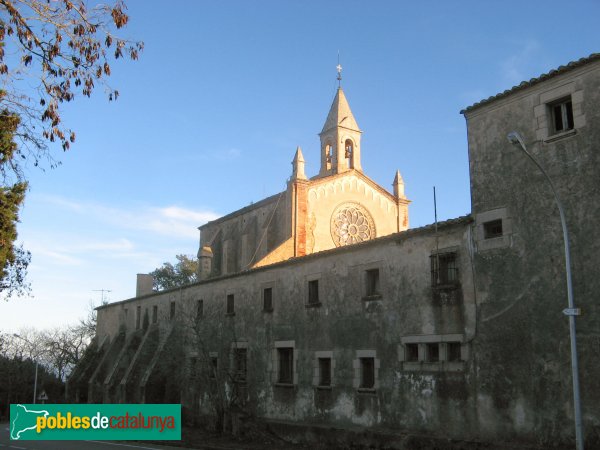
321 306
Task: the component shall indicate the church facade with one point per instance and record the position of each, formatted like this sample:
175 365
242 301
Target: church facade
339 206
320 306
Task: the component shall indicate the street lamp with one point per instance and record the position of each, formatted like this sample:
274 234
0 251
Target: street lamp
36 366
516 139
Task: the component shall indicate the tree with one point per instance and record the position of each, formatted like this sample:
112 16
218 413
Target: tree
168 276
64 49
18 359
64 347
50 51
13 260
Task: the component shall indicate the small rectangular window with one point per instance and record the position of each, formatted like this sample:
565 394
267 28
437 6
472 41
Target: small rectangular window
492 229
367 373
313 292
154 314
562 115
240 364
213 367
172 311
324 371
199 309
268 299
411 352
372 283
138 317
286 365
444 269
433 352
230 304
453 351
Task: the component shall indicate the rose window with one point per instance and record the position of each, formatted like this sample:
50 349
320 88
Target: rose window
350 224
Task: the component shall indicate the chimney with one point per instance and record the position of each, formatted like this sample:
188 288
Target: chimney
144 284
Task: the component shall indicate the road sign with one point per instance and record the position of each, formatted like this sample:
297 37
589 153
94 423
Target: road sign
572 311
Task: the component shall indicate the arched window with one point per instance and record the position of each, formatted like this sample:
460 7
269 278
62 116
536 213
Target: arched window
328 156
349 146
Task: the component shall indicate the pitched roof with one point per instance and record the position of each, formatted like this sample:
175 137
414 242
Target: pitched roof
525 84
340 114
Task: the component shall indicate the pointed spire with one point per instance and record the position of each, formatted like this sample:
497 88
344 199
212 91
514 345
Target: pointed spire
340 114
398 185
298 166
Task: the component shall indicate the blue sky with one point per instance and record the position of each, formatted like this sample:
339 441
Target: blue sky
209 118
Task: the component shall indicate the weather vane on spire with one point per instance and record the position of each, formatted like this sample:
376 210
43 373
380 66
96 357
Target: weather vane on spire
339 71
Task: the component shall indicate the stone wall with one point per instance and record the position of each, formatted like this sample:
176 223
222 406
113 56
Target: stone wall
522 347
347 324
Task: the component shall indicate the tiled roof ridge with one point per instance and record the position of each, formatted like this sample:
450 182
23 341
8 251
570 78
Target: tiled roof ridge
533 81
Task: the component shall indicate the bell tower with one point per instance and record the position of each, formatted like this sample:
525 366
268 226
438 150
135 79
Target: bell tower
340 139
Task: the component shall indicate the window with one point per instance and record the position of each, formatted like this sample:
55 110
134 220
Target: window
230 305
268 299
444 269
240 364
560 112
172 311
367 373
453 351
411 352
199 309
328 156
313 292
138 317
433 352
285 356
372 283
154 314
492 229
562 115
349 146
214 366
324 371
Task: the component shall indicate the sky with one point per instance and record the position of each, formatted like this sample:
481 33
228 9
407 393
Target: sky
209 118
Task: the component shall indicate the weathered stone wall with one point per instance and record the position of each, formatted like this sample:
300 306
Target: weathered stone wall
522 345
346 325
244 237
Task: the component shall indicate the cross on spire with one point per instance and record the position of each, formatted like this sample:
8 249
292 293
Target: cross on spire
339 71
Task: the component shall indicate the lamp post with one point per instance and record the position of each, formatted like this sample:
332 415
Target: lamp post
36 366
516 139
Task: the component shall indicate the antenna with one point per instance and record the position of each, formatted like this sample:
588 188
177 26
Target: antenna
339 71
437 239
102 293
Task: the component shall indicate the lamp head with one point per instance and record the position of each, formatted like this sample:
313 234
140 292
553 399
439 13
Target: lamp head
516 139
